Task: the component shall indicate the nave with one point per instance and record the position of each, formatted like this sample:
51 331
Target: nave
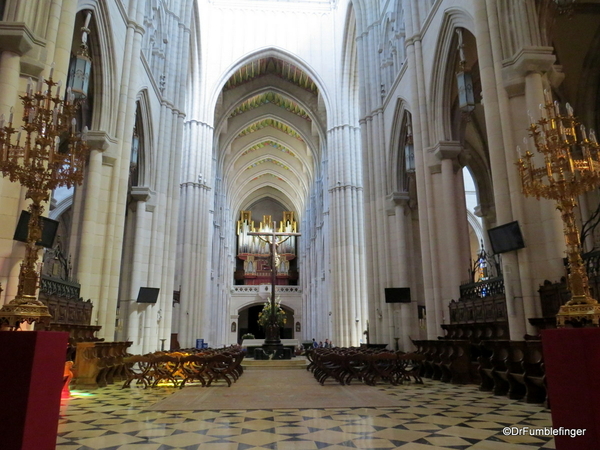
434 415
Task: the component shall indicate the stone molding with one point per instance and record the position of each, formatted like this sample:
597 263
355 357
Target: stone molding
15 37
99 140
527 60
146 195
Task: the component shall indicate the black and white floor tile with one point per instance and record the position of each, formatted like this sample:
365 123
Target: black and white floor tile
431 416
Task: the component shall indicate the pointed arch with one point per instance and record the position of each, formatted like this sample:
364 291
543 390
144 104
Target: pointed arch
397 177
272 52
441 87
104 65
147 170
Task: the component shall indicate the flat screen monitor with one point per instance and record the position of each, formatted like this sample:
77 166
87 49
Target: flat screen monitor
397 295
49 228
506 238
148 295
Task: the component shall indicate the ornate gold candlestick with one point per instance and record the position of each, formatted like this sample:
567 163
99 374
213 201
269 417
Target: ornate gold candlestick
571 168
52 154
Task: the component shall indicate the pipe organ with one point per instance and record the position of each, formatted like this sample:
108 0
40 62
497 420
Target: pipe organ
253 252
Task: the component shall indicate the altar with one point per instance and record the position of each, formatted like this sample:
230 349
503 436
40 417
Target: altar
251 344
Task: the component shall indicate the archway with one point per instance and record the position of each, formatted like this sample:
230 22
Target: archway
248 322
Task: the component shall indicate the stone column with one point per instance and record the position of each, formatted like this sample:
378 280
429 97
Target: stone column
496 127
451 227
138 314
15 40
118 182
406 313
345 195
422 172
194 247
88 243
540 221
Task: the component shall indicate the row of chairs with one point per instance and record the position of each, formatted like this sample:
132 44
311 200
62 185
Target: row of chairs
503 367
178 368
513 368
366 365
448 360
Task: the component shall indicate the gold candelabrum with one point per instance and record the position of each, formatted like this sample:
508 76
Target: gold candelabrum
571 168
45 153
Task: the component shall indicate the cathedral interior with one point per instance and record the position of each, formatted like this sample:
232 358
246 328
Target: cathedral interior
418 176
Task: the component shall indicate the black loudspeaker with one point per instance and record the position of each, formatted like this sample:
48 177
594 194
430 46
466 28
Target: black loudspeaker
506 238
397 295
49 228
148 295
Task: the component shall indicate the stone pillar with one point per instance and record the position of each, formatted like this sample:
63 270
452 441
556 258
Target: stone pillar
88 242
345 195
422 171
139 315
120 159
196 227
451 227
15 40
406 313
541 223
497 126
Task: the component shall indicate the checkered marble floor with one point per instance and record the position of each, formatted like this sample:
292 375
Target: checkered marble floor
431 416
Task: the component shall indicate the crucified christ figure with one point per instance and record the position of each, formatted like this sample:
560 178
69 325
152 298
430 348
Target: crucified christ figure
272 340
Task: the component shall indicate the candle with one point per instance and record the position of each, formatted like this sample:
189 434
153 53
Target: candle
40 84
562 131
10 118
29 85
519 152
73 125
51 70
593 136
58 86
583 135
556 108
531 120
2 121
569 110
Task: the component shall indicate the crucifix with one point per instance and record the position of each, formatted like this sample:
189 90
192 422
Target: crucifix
272 340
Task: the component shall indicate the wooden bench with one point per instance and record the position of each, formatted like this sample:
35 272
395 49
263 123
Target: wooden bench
99 363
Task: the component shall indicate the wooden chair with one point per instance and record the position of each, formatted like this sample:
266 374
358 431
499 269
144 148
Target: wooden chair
409 365
219 367
164 369
138 368
194 367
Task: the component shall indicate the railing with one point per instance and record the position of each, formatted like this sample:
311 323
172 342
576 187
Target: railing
480 310
492 287
293 289
251 289
63 301
60 288
244 289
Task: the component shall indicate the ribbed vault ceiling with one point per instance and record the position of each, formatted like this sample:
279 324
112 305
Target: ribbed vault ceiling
269 133
264 66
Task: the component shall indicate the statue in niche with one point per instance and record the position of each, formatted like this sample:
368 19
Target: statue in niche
249 265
